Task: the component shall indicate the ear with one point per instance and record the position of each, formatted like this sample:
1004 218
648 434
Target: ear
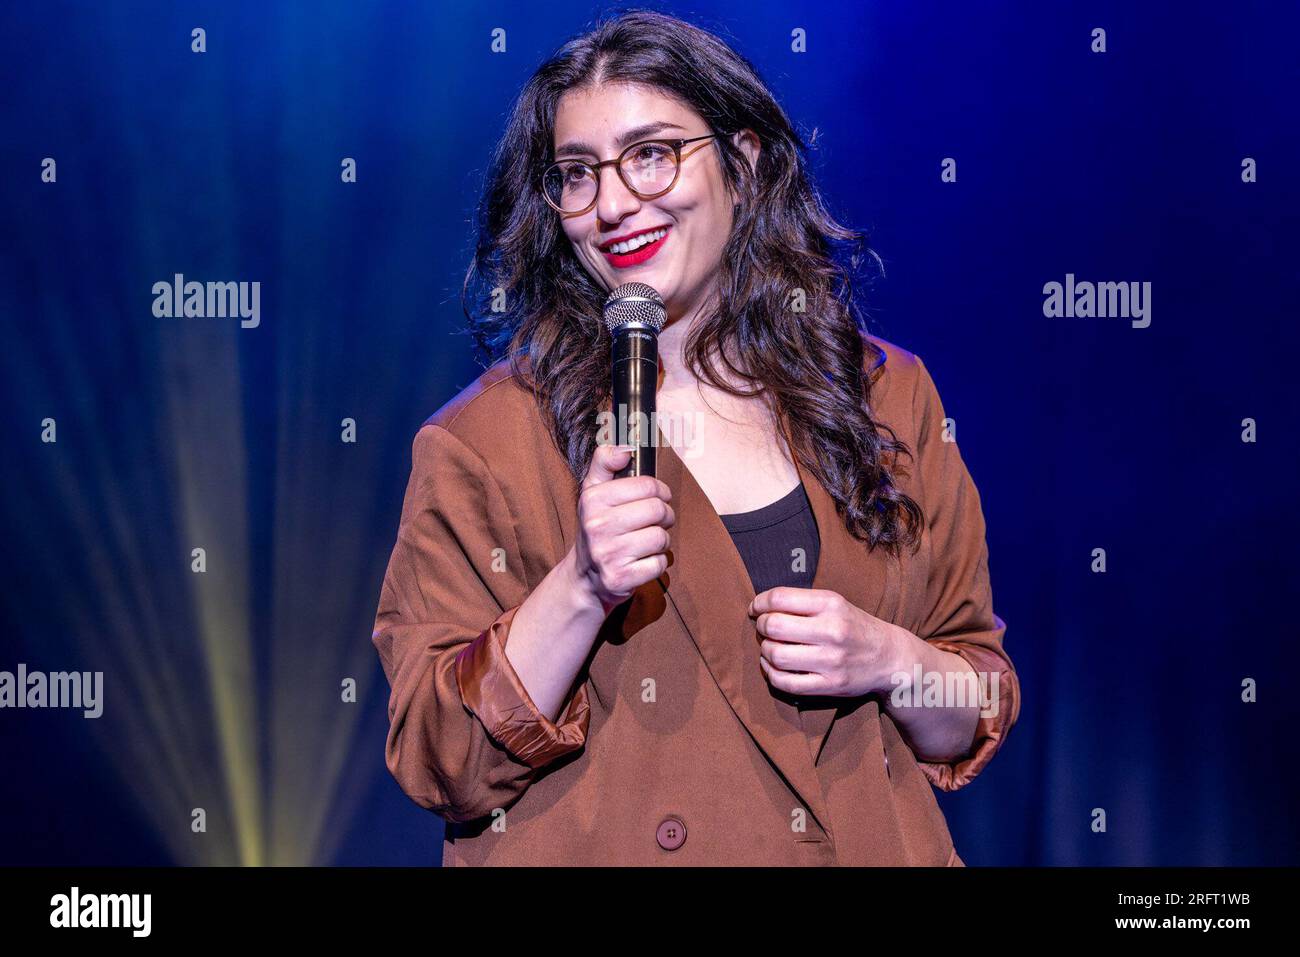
747 142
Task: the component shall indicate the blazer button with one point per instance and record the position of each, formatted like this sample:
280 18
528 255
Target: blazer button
671 834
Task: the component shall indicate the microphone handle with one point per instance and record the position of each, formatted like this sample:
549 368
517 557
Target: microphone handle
636 379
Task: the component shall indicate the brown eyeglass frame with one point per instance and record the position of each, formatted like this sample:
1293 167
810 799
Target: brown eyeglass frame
617 163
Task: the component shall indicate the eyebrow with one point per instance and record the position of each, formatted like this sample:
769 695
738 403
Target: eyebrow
578 148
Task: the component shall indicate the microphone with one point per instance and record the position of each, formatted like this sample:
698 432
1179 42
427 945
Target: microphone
634 313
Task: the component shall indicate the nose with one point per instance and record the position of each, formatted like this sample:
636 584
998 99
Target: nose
614 200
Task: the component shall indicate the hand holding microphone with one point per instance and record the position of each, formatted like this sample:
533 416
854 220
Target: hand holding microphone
623 510
623 527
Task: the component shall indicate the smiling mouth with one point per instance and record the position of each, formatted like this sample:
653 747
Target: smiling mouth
637 249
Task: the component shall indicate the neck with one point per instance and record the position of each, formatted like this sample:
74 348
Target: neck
673 371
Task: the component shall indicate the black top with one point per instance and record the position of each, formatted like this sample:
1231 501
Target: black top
767 539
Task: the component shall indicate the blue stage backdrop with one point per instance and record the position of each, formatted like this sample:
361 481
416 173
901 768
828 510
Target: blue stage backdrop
184 512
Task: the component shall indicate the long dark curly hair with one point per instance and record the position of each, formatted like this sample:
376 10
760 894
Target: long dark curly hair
526 292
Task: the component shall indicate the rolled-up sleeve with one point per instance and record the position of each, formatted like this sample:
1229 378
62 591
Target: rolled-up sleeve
464 737
492 691
959 600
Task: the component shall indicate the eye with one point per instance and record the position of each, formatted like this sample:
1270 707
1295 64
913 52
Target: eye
651 153
573 172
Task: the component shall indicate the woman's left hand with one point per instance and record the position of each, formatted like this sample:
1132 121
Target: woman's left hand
839 648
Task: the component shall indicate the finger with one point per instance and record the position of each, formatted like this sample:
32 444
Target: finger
650 567
629 489
809 684
606 460
793 628
642 543
631 516
797 601
789 657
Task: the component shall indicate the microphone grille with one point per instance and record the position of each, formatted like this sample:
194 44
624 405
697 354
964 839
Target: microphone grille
634 302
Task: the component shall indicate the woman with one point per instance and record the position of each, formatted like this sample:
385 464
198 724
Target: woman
715 665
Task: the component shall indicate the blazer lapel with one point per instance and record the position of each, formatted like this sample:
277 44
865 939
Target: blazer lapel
865 578
709 586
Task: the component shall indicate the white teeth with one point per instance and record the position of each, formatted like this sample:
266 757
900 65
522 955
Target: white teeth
637 242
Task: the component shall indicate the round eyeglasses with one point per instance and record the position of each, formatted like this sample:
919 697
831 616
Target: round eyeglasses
648 169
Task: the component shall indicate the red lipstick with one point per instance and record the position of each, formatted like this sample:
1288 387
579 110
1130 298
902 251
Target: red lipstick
637 256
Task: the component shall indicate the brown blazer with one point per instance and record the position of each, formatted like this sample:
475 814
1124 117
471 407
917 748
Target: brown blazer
715 768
